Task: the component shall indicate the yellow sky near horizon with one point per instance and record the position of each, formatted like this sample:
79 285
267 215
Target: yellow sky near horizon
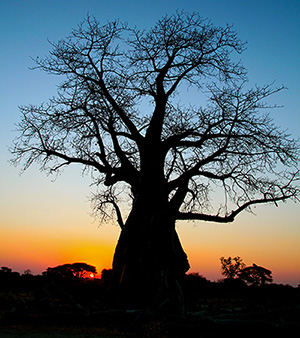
37 233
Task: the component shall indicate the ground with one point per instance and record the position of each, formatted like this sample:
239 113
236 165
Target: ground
41 308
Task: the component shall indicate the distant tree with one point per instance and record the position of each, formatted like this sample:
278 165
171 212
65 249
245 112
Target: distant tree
60 270
27 272
8 279
230 267
120 113
78 270
82 270
5 269
256 275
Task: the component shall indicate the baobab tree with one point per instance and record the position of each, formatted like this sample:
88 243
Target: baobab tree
120 112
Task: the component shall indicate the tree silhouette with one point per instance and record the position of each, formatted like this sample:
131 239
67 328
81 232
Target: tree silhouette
78 270
230 267
27 272
256 275
120 114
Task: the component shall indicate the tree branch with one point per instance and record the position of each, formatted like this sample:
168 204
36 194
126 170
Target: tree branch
70 159
231 216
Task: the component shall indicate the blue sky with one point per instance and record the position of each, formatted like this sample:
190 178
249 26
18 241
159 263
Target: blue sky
33 201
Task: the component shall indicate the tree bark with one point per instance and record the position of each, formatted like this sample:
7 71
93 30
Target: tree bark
149 261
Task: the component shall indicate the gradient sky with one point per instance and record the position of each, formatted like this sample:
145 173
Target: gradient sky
46 221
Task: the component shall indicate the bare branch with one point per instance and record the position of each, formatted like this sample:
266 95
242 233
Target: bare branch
231 216
117 112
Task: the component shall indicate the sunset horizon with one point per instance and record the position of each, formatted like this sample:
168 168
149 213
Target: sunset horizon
97 247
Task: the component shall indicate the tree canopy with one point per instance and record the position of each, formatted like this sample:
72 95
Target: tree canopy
230 267
118 110
79 270
256 275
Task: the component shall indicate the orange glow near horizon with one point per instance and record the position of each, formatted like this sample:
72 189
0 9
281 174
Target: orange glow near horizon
264 239
41 247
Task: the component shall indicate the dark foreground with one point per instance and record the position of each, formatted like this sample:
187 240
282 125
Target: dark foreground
37 307
140 325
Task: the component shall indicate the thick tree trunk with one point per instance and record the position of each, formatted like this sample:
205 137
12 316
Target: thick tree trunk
149 261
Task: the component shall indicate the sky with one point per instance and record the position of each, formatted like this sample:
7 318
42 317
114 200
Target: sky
47 221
